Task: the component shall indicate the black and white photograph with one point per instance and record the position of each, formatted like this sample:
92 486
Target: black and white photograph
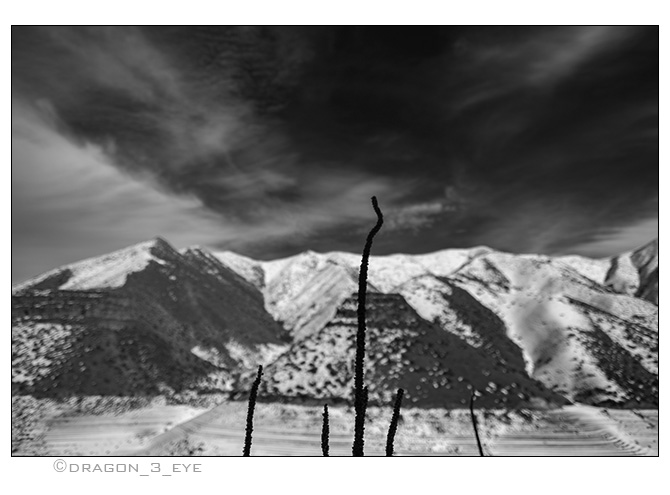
355 240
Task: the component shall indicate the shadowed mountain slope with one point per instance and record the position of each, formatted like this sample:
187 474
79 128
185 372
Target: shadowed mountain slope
143 319
434 367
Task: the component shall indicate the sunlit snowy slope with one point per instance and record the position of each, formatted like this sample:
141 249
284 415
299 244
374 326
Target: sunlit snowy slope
587 329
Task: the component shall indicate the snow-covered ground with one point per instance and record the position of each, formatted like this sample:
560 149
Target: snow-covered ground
290 430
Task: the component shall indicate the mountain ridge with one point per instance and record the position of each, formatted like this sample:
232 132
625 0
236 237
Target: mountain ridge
568 323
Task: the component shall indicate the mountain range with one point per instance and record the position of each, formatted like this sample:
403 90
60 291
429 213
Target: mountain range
520 329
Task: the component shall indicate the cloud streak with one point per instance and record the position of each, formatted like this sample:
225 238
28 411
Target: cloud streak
271 140
69 202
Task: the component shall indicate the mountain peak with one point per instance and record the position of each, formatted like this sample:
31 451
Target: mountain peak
157 244
158 240
106 271
648 252
563 322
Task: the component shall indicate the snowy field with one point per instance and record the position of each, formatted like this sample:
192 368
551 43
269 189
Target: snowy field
292 430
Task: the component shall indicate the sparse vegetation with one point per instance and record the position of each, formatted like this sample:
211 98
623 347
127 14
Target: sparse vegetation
474 423
325 432
394 423
250 413
187 448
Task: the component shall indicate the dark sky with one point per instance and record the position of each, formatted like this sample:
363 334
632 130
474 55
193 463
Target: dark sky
270 141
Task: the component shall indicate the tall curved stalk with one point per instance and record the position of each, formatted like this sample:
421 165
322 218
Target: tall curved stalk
360 391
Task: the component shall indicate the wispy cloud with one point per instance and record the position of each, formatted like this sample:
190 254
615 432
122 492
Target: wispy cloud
69 202
620 240
531 63
271 140
73 195
566 51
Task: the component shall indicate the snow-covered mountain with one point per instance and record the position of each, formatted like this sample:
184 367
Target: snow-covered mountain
143 319
518 328
585 328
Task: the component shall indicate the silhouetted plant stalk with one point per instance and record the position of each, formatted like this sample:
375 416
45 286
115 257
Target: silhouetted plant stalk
325 431
360 391
250 412
474 423
393 427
